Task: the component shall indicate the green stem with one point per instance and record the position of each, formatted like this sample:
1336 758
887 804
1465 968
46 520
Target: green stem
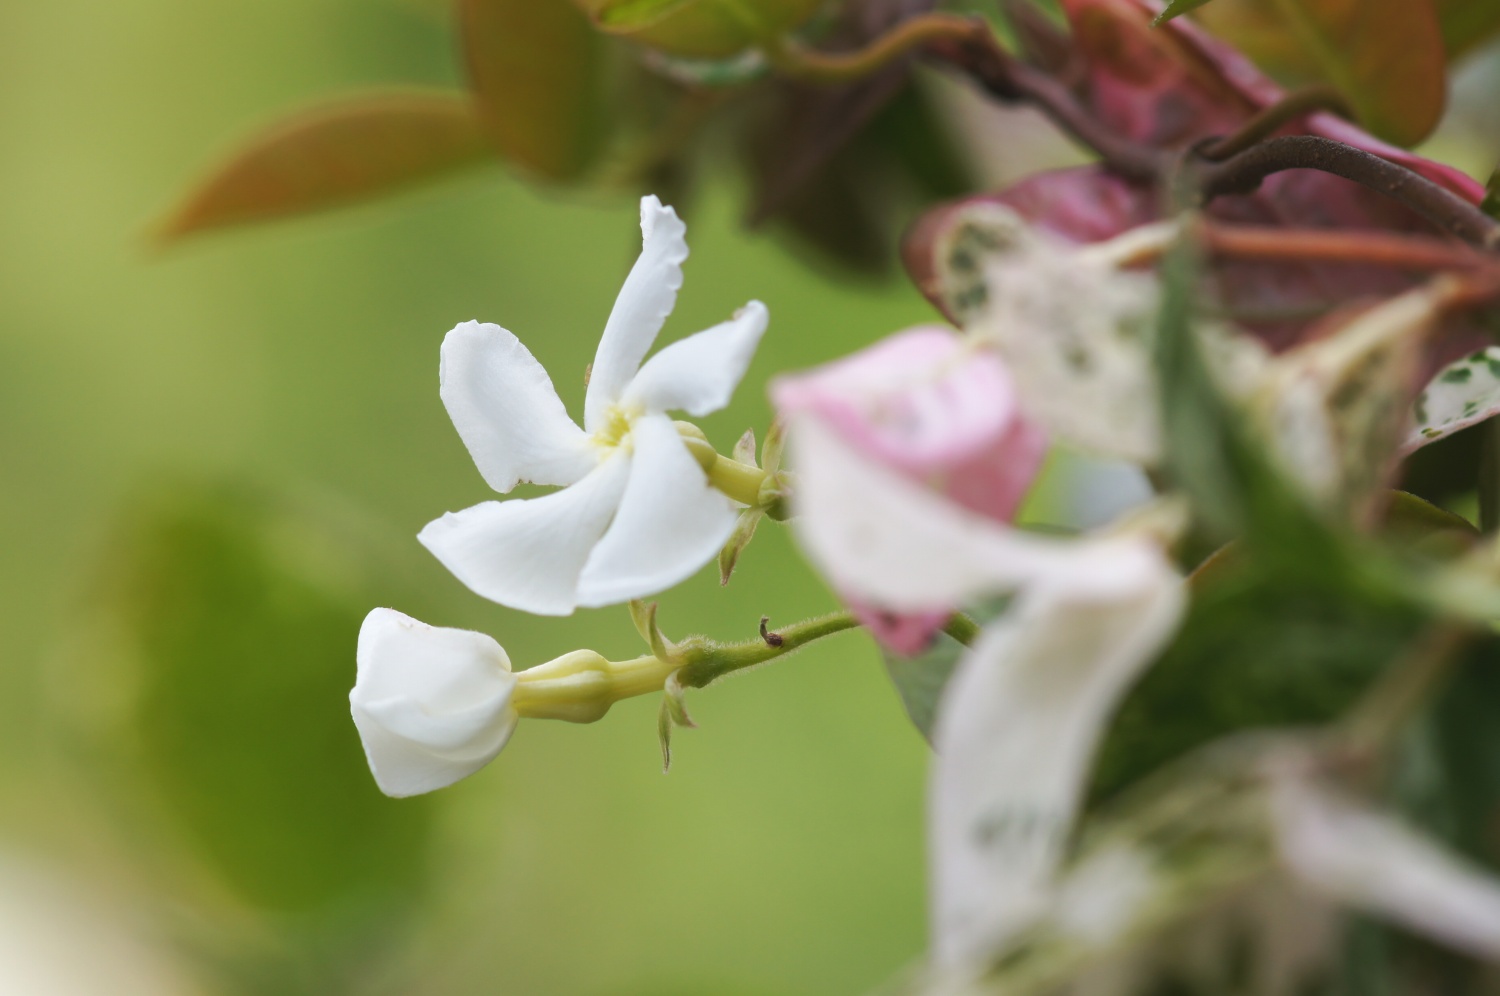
740 481
962 628
811 66
708 661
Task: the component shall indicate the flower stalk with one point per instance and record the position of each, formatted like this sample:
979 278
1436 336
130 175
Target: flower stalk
581 686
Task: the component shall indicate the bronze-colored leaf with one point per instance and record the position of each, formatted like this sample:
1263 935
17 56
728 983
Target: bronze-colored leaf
1386 56
1467 23
349 150
535 67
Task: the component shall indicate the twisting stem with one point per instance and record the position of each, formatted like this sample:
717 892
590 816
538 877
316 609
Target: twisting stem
1271 119
707 662
1243 173
982 58
812 66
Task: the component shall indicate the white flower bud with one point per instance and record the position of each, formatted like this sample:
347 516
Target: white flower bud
432 705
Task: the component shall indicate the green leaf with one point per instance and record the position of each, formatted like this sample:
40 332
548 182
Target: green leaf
241 617
1210 452
536 69
354 149
1262 646
1467 23
1177 8
920 680
1386 56
1491 203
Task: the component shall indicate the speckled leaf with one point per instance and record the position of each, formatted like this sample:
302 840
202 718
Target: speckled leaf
356 148
1464 393
534 66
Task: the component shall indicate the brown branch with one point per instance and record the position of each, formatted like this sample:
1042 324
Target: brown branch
1013 81
1243 173
1271 119
980 56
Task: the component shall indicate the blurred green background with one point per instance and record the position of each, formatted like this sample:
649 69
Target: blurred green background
214 460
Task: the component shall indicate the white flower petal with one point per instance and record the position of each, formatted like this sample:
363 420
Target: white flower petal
432 705
527 553
1017 726
645 301
671 521
882 538
698 374
1372 862
507 412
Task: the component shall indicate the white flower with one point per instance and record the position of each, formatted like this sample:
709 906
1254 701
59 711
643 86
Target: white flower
636 513
432 705
1019 719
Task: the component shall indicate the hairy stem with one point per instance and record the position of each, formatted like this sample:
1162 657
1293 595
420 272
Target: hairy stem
708 661
1013 81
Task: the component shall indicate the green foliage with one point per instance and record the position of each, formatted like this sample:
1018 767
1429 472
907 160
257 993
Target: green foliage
1261 647
1176 9
1467 24
920 680
245 643
354 149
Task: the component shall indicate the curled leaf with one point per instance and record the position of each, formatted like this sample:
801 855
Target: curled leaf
350 150
744 532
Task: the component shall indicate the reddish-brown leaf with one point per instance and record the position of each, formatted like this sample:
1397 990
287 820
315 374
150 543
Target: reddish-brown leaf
1386 56
535 69
353 149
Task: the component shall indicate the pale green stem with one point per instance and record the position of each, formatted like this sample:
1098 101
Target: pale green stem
707 662
962 628
581 686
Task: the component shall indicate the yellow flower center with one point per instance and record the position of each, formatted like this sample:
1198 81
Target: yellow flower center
614 428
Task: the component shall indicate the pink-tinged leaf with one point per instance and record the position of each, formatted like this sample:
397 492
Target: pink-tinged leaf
535 68
357 148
